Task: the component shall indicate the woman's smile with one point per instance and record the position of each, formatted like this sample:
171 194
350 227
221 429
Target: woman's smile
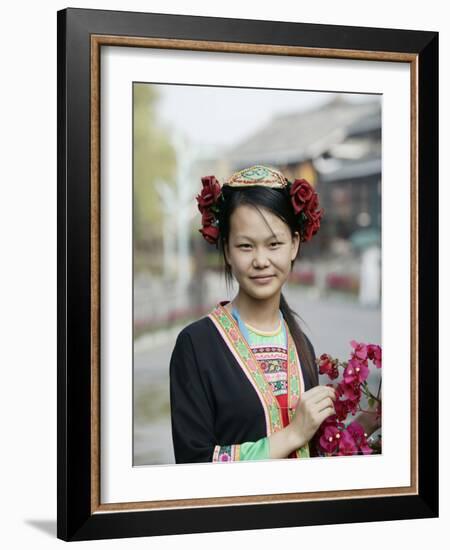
262 280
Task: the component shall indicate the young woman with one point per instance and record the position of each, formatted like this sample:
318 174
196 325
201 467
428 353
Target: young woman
243 379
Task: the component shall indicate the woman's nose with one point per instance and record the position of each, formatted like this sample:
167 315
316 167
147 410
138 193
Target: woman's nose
260 259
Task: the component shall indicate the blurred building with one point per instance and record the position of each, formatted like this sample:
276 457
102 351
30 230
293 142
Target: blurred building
337 148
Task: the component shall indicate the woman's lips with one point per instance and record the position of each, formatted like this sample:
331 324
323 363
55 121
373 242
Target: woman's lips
262 280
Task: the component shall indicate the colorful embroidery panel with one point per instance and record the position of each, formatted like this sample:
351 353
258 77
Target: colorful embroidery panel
250 450
274 371
226 453
257 175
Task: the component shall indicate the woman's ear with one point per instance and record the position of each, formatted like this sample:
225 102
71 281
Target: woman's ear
295 245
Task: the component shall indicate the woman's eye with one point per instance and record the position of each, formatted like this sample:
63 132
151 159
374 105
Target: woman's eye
249 245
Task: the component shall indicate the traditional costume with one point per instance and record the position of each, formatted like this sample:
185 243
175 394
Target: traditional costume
229 390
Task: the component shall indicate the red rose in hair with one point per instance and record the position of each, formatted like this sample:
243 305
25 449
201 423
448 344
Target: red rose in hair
305 202
313 223
301 192
207 204
209 194
312 204
210 233
207 218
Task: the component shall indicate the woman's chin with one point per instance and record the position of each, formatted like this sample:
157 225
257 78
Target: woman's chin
265 290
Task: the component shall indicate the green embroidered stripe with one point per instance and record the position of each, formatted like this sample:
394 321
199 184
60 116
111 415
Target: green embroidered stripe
253 450
248 361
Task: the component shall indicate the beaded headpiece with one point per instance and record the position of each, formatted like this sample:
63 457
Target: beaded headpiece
304 199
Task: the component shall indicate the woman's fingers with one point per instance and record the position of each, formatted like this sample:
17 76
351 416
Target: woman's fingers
318 393
326 403
325 413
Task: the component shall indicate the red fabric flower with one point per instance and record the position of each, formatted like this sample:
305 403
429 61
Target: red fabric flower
304 199
208 218
313 224
207 204
210 233
209 194
305 202
301 192
313 203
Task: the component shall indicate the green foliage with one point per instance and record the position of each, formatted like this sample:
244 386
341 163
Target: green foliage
153 159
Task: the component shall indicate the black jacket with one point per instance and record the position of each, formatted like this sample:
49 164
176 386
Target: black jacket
213 401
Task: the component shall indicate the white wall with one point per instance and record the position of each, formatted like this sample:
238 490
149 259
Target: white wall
28 268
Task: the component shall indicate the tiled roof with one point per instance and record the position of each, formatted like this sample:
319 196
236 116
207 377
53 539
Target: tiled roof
297 136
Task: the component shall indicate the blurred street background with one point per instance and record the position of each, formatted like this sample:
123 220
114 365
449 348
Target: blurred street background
182 133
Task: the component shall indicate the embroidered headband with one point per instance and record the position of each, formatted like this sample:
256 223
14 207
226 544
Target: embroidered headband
304 199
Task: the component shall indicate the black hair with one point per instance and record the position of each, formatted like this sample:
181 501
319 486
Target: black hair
277 201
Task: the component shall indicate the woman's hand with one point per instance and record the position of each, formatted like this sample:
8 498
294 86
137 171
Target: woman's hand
313 407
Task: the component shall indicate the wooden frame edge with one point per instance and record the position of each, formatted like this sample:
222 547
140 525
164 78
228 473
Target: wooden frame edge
214 46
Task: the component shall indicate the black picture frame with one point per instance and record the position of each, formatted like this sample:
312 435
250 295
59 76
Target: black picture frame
80 515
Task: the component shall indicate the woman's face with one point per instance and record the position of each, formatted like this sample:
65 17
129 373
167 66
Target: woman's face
254 252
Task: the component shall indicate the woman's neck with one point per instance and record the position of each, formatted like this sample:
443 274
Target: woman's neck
261 314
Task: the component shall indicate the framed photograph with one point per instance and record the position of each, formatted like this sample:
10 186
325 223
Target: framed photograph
168 398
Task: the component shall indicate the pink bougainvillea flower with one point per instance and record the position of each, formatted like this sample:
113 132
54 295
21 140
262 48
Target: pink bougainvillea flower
341 408
329 440
333 437
374 353
359 436
328 366
347 445
331 421
364 446
356 371
340 389
360 350
356 430
348 406
351 391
